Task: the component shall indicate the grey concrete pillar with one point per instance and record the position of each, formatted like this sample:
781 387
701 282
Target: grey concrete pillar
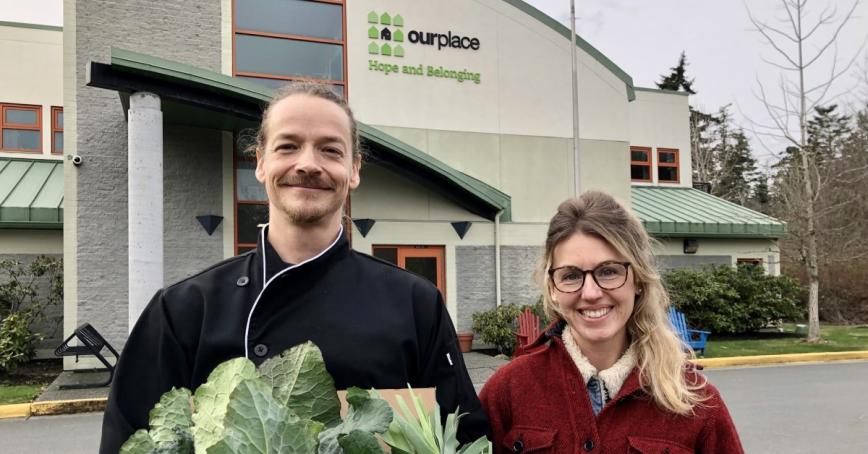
145 168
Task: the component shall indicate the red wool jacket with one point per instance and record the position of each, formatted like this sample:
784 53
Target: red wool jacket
539 403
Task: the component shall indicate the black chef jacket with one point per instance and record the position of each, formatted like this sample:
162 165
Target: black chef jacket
378 326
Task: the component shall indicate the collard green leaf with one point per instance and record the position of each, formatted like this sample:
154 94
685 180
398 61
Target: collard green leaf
359 442
139 443
212 398
171 417
300 381
367 413
256 423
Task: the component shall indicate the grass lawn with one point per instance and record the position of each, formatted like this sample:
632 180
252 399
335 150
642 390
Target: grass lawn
28 380
836 338
18 394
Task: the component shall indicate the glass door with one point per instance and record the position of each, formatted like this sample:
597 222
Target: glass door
426 261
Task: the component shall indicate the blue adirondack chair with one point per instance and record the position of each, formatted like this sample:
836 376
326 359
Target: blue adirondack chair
693 338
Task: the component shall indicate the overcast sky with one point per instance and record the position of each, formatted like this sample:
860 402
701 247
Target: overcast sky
645 37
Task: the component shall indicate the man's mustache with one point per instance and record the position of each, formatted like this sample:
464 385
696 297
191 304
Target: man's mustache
306 182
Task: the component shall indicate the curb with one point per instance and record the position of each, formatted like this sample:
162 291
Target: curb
712 363
64 407
53 407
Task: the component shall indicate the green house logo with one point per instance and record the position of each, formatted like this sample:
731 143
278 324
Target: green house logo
385 34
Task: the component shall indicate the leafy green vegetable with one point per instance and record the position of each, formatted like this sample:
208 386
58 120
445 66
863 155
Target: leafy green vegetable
139 443
212 399
289 405
301 382
367 412
359 442
257 423
424 434
170 416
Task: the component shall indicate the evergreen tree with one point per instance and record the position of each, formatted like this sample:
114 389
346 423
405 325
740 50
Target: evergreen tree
827 132
677 78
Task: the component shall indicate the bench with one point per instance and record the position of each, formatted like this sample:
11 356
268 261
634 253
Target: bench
693 338
91 343
528 330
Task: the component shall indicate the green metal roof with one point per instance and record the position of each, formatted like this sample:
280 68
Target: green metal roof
662 90
34 26
492 197
688 212
31 193
469 192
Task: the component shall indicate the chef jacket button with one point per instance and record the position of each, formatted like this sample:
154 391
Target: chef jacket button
260 350
518 446
589 445
242 281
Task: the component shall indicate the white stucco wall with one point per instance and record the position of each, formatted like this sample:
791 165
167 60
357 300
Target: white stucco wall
32 73
661 119
765 249
524 66
20 241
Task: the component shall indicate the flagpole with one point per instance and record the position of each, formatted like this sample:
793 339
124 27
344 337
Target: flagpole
577 177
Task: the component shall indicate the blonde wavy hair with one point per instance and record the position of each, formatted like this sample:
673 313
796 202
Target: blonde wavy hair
660 353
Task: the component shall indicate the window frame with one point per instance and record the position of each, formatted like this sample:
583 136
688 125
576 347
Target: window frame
405 251
750 261
237 156
674 165
342 42
21 127
55 129
647 164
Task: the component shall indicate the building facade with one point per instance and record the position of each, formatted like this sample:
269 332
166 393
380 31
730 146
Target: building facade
467 129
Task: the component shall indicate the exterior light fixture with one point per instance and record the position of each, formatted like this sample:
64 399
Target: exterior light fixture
364 225
691 246
210 222
461 228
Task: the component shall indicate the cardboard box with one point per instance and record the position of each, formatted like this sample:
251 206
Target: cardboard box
427 395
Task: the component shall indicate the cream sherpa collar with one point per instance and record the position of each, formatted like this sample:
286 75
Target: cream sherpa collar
612 377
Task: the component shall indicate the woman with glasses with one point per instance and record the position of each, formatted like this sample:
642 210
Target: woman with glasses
610 374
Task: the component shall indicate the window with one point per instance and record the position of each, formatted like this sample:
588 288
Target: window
640 164
749 261
251 202
667 165
21 127
57 130
277 41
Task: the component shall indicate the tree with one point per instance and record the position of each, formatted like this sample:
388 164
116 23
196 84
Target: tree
722 156
736 167
701 152
677 78
798 49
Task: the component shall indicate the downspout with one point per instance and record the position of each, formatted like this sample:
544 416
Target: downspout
497 257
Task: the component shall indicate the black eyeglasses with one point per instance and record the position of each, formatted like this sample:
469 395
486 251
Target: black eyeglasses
607 275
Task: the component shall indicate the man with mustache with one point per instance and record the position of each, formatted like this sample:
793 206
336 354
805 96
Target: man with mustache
378 326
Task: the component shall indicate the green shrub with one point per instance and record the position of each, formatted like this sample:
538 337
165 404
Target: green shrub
733 300
497 326
22 304
17 342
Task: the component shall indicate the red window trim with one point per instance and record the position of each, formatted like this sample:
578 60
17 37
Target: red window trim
647 163
342 42
37 127
54 128
344 83
675 164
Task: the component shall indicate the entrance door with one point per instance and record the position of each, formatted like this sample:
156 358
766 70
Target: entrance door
426 261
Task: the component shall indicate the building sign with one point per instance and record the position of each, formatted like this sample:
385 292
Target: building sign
388 36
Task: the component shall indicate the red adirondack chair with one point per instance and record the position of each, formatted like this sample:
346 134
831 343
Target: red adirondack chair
528 330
